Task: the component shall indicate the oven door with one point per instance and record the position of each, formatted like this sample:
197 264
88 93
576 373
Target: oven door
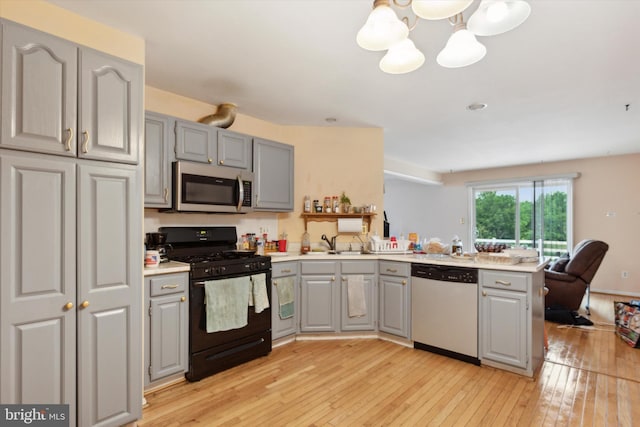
205 188
200 339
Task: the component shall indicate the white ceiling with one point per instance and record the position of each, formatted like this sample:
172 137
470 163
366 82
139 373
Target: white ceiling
556 87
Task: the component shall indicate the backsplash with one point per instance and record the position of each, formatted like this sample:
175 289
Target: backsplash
246 223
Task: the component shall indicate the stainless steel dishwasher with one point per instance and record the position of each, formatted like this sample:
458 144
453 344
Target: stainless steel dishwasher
444 310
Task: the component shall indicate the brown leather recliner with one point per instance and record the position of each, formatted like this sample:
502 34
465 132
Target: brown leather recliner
569 279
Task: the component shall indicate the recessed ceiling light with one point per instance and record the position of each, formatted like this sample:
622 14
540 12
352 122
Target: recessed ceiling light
476 106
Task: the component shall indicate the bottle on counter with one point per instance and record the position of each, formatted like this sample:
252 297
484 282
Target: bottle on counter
305 246
456 246
307 204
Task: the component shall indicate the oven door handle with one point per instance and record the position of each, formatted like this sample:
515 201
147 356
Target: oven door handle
198 283
241 193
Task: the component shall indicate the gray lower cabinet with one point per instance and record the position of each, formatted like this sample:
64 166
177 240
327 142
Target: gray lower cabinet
273 164
395 298
234 149
166 326
348 271
319 296
64 99
159 140
196 142
70 277
281 272
504 317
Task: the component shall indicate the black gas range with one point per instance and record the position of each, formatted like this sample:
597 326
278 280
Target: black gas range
212 255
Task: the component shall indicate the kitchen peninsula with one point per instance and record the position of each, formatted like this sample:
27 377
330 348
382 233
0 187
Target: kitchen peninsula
509 302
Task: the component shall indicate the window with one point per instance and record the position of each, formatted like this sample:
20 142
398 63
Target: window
531 213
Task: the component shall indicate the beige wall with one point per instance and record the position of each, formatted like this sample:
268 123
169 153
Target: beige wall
328 160
51 19
606 184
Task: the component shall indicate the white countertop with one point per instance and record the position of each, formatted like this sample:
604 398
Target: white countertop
166 268
530 267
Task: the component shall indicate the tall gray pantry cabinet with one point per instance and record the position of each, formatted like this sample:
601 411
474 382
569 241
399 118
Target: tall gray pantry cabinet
70 228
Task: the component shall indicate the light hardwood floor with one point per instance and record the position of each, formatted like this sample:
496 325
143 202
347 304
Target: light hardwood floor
589 378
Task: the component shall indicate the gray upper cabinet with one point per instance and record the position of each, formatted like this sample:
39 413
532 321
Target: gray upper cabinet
196 142
109 295
39 92
62 99
110 111
158 155
37 280
234 149
273 170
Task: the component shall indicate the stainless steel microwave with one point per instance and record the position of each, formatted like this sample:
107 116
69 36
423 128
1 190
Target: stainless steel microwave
198 187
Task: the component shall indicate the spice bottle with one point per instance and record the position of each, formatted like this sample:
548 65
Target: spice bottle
336 204
306 243
307 204
327 204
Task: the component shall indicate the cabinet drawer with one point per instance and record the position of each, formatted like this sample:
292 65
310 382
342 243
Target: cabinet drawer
281 269
389 268
168 284
504 280
358 267
318 267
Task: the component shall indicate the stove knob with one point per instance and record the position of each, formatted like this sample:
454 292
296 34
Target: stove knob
222 269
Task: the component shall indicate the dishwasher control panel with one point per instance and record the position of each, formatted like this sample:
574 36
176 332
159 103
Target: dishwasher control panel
445 273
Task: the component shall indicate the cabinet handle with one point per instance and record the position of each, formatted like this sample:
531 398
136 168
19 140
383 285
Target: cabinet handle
221 162
503 282
67 143
333 279
68 306
275 283
183 299
168 286
404 282
286 270
166 194
85 141
210 160
392 270
344 279
484 293
84 304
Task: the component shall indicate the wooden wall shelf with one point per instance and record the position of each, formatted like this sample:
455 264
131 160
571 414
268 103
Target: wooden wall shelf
333 217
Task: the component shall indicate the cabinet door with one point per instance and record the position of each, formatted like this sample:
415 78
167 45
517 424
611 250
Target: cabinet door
234 149
168 328
37 280
158 138
110 110
39 90
394 305
504 326
109 295
362 323
283 327
273 170
319 304
196 142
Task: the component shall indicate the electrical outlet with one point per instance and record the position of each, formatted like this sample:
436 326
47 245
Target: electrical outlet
625 275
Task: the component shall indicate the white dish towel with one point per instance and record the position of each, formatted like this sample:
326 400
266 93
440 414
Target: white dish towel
226 301
355 295
258 296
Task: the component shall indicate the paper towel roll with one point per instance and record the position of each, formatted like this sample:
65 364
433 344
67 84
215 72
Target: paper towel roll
349 225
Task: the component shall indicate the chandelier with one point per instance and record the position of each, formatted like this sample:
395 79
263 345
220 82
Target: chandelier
385 31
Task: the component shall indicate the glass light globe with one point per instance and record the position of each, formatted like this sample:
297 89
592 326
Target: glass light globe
402 58
497 16
461 50
438 9
382 29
